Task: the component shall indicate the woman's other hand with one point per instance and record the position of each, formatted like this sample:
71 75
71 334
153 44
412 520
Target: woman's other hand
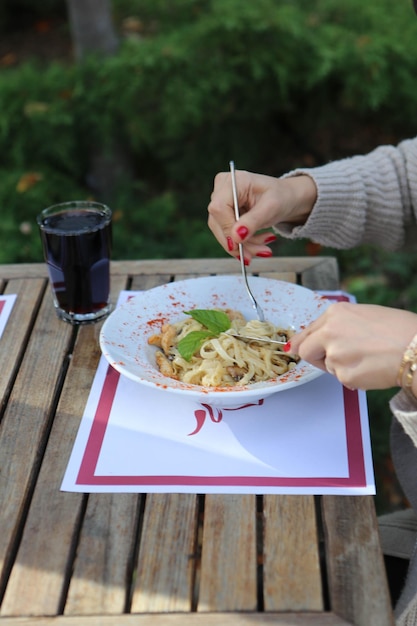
361 344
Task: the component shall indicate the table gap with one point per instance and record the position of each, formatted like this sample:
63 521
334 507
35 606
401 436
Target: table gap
322 553
135 552
260 553
72 553
198 546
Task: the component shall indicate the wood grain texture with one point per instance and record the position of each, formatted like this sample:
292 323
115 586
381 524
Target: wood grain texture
103 562
17 331
228 580
355 567
187 619
167 553
143 281
292 578
324 272
25 424
160 559
224 265
37 581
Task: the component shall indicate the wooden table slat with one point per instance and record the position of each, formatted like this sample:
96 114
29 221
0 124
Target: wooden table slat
103 562
144 281
355 567
224 265
26 421
167 554
187 619
292 577
325 272
16 334
229 546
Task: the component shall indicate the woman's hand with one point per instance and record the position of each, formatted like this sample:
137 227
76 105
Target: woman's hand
263 202
361 344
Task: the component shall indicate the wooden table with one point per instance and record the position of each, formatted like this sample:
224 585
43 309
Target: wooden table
157 559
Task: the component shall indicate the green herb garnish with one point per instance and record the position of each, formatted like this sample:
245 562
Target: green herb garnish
216 322
192 342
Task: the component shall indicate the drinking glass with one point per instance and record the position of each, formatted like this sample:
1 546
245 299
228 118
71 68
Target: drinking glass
77 239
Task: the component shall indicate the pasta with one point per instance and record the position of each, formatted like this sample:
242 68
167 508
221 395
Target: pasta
223 360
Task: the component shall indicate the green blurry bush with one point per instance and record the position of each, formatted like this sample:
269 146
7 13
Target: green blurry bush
272 84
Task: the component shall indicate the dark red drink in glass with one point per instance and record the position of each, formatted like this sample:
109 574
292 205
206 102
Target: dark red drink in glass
76 239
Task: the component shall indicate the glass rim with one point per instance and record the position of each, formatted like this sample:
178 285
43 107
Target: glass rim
53 209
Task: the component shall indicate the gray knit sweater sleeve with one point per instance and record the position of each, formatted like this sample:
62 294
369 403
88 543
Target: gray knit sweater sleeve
362 199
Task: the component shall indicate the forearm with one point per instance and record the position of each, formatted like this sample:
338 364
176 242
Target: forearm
363 199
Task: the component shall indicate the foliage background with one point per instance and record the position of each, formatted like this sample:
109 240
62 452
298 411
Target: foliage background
273 84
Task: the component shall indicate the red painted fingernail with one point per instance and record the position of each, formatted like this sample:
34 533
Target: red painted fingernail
264 253
245 260
287 346
243 232
270 239
230 244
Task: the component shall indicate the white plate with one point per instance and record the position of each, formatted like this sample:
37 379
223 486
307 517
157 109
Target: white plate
124 335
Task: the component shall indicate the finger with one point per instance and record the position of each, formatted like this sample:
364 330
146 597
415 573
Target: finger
222 200
221 208
328 366
317 358
256 246
222 234
298 339
316 326
262 239
310 346
258 213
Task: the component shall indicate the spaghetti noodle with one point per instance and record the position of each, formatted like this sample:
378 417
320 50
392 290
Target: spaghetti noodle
223 360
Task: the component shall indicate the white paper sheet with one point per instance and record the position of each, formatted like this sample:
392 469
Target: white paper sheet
6 306
313 439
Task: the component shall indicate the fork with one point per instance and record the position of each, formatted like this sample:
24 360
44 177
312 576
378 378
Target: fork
250 338
271 342
256 306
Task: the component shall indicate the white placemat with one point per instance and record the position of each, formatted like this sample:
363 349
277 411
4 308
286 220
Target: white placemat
6 306
312 439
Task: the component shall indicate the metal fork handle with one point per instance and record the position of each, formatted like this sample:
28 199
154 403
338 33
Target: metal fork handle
255 305
249 338
272 342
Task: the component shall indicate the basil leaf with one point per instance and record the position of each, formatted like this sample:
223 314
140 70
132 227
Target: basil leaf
216 321
192 342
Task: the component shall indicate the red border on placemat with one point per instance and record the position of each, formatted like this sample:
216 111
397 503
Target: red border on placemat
356 465
2 303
